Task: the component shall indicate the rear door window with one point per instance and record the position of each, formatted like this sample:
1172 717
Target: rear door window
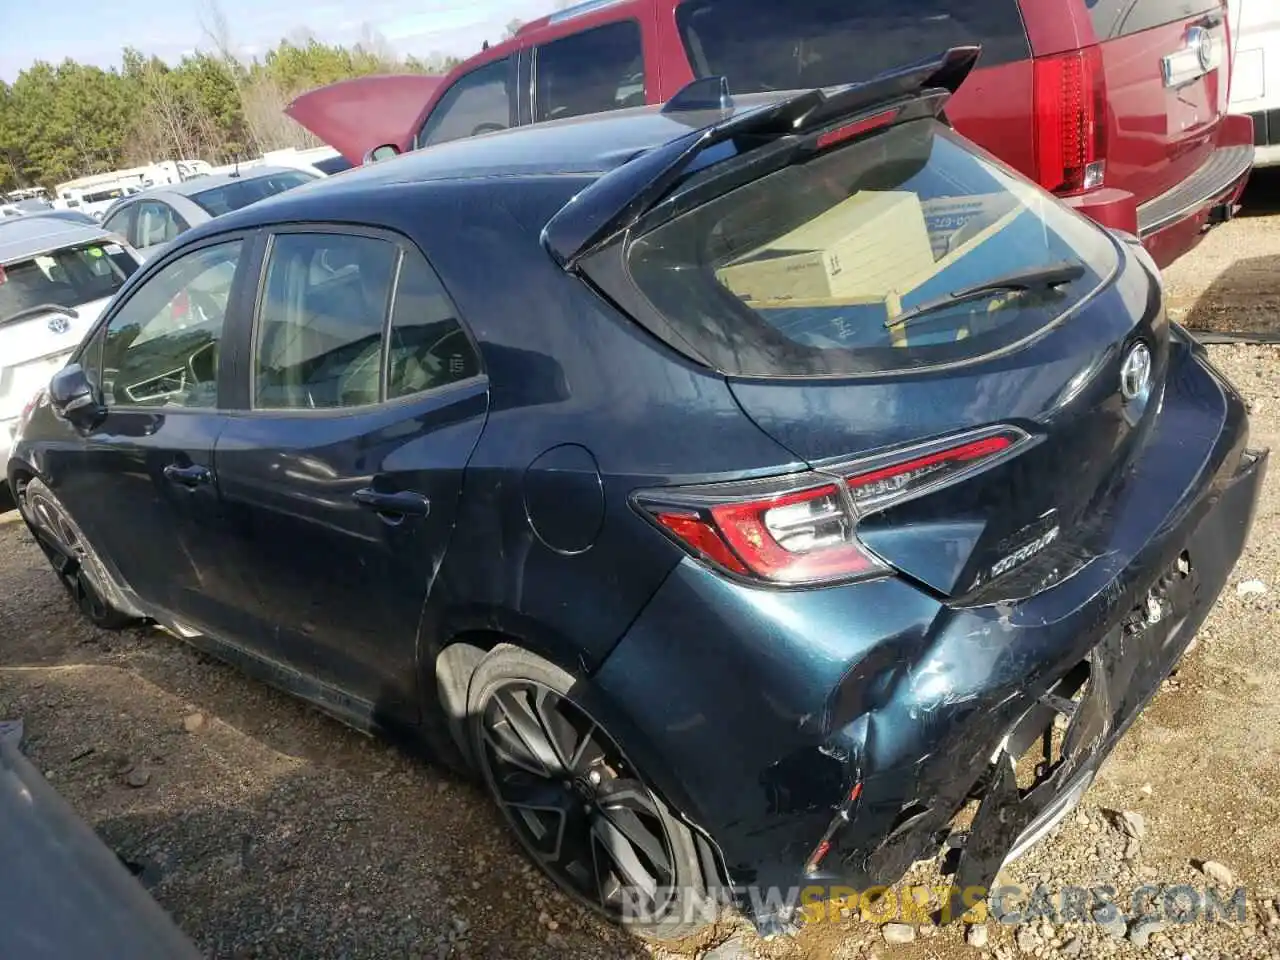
156 222
1119 18
481 101
118 222
816 269
590 72
319 332
353 320
429 347
764 45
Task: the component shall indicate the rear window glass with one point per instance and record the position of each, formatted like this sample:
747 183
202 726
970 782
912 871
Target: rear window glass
240 193
66 278
814 270
591 72
764 45
1118 18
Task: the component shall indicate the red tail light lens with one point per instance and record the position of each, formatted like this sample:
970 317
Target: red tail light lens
899 480
855 129
800 537
701 536
788 537
802 529
1070 104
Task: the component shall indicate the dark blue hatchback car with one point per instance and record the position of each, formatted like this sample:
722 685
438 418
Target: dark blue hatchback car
743 489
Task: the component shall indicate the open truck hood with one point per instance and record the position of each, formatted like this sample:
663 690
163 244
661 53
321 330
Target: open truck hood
354 116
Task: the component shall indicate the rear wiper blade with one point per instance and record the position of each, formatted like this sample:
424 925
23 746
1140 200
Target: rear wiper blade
37 310
1044 278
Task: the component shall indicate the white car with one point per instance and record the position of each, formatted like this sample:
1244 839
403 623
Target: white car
1255 75
56 276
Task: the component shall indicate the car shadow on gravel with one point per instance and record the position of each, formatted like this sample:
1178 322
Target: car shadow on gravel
264 827
1262 194
1243 303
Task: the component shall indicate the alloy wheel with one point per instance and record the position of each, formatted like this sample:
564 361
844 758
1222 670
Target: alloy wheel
575 802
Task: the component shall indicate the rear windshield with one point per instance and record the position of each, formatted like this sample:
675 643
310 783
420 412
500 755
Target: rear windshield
803 272
764 45
240 193
65 278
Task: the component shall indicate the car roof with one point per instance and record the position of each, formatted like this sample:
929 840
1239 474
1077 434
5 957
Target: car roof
187 188
586 147
24 237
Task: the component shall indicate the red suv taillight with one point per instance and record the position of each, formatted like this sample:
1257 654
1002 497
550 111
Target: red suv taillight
1070 106
800 529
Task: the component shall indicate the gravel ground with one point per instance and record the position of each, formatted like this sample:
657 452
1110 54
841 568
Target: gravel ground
268 830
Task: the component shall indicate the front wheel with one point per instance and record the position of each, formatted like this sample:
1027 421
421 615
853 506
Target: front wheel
72 557
578 806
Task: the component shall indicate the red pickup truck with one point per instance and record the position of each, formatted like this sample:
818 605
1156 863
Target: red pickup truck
1117 106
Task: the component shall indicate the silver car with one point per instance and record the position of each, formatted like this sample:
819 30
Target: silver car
152 218
56 276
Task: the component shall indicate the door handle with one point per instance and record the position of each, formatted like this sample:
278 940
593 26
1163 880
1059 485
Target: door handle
190 476
404 503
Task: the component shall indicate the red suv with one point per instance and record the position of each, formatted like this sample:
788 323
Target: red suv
1117 106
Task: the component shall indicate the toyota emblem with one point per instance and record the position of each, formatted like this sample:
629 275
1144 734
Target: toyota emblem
1135 372
59 324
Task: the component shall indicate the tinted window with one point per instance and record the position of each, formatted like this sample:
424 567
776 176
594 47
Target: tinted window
478 102
114 193
804 271
156 222
240 193
429 348
331 165
319 336
1117 18
762 45
161 348
118 222
70 277
591 72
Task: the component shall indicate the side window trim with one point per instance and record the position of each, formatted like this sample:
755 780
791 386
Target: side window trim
384 386
143 276
259 256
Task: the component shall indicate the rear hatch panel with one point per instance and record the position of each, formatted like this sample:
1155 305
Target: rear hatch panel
789 283
1054 495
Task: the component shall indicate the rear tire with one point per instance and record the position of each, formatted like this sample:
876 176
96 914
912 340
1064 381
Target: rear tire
582 811
73 558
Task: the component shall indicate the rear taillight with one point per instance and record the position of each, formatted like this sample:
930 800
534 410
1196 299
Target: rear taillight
1070 104
801 529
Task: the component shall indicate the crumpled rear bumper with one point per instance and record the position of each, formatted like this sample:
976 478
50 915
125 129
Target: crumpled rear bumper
1125 670
759 713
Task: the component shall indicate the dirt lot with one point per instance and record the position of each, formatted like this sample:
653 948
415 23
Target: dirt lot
270 831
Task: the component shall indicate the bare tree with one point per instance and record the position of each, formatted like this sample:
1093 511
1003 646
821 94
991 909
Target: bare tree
374 43
263 102
513 28
217 31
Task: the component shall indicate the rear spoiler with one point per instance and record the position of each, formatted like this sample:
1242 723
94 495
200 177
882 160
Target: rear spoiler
614 203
